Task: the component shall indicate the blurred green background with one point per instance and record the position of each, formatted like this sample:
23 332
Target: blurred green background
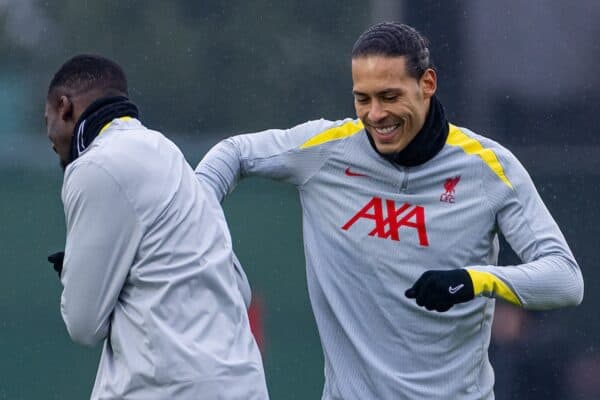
520 72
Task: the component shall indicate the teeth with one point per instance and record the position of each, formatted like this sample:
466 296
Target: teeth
386 130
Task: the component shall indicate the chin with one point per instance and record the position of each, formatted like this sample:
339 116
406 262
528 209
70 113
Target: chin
389 148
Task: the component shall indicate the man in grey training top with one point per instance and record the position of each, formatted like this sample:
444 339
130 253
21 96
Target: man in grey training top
148 265
401 215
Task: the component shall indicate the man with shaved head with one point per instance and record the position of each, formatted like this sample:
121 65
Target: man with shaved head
148 265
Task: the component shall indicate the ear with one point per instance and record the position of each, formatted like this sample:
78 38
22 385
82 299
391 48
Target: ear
65 108
428 83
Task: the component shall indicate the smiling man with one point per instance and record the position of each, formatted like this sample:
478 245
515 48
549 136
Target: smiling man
391 103
401 215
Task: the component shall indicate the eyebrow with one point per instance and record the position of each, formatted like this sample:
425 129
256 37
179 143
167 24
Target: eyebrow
381 93
390 91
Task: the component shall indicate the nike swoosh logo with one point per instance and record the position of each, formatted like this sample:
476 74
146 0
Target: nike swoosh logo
350 173
453 290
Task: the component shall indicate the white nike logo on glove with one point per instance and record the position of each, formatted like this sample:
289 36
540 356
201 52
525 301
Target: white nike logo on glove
453 290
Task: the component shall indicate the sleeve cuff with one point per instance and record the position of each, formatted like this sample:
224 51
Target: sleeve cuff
489 285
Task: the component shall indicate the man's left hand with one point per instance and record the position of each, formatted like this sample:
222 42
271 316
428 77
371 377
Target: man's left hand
439 290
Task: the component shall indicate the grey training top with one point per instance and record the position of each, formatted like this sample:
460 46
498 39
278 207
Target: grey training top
149 271
371 228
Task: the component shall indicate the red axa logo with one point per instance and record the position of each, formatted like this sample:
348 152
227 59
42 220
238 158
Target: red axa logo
389 222
449 185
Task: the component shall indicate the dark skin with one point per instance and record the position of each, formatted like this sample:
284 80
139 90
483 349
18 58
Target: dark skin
63 109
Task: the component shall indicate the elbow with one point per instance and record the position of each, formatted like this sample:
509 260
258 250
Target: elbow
83 330
578 288
574 286
87 341
83 334
571 282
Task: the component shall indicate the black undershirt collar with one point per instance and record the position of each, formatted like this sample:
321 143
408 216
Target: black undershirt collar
95 117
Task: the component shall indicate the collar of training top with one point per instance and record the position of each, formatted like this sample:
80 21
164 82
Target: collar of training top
427 143
95 117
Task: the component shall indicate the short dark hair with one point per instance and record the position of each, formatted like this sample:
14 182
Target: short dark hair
86 72
392 39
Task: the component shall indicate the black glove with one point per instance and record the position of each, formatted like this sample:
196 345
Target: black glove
440 290
57 260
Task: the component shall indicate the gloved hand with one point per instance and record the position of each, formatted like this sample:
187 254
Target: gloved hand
440 290
57 260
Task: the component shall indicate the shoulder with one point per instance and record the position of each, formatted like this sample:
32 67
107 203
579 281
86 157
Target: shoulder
96 166
88 184
88 174
497 160
127 149
471 142
324 131
113 158
308 137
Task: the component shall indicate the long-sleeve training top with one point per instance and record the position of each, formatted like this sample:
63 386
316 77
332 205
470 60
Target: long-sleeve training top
372 227
149 271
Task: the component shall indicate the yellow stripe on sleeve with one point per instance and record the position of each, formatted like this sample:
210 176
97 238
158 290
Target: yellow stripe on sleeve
488 284
471 146
339 132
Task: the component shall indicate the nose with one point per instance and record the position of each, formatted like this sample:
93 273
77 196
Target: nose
377 112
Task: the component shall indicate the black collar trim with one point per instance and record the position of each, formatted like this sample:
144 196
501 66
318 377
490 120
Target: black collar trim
95 117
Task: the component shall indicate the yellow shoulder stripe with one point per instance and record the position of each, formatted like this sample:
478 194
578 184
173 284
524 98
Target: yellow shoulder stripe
485 283
339 132
471 146
107 125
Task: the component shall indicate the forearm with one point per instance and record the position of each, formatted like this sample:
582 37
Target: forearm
103 234
83 325
548 276
552 281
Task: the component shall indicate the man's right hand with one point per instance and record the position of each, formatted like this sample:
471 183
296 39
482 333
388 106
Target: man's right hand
57 260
